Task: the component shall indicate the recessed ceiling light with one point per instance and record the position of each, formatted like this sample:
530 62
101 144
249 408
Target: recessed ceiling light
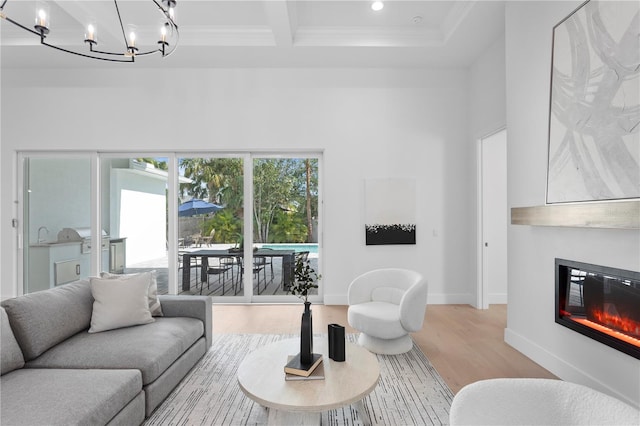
417 19
377 5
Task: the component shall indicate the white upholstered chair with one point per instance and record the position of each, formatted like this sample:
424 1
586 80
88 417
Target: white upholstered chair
537 402
385 305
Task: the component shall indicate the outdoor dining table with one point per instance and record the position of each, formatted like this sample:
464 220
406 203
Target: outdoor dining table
288 262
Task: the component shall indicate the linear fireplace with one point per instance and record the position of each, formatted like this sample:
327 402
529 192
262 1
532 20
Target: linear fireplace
600 302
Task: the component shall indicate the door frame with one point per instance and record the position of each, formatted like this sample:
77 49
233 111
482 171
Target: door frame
482 288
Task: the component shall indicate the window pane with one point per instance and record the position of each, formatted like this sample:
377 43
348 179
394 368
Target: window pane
134 214
57 219
210 222
285 213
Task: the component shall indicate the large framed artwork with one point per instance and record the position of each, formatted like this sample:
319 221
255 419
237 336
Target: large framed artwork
390 211
594 114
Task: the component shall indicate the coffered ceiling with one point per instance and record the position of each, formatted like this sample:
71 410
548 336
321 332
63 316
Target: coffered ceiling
269 33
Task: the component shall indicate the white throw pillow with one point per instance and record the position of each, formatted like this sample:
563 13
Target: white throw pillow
120 302
154 302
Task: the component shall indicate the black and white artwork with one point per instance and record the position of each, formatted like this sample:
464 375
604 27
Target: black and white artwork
594 120
390 211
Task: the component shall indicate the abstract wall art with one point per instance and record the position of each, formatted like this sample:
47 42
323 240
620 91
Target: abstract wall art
390 211
594 114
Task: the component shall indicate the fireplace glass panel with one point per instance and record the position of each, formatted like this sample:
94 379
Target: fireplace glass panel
600 302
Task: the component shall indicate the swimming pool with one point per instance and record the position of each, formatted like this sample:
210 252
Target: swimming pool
311 248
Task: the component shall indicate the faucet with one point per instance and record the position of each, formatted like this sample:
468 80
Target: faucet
42 240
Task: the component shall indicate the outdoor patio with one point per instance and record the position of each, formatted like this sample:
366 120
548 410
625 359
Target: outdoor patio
269 287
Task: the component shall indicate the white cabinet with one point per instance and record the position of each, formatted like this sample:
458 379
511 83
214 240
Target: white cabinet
53 264
56 264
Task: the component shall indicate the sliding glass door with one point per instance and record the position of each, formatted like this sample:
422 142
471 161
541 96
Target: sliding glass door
56 220
182 216
285 221
211 226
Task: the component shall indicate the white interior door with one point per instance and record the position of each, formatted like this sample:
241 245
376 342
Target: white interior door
494 219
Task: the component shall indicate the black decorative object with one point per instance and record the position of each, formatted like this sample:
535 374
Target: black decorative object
305 280
336 342
390 234
306 335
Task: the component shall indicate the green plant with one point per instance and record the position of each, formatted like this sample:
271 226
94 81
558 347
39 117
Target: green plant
227 227
305 279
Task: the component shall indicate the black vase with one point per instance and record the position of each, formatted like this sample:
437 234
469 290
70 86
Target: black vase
306 335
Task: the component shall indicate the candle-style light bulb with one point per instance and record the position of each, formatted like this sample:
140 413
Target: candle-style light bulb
42 18
42 24
163 33
132 39
91 33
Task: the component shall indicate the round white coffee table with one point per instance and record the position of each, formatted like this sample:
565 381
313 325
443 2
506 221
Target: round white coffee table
261 377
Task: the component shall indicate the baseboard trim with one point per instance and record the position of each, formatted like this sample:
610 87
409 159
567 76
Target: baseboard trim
498 299
558 366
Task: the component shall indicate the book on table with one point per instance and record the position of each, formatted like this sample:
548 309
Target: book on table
316 374
298 368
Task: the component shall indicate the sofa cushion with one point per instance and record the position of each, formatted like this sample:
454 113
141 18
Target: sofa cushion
120 302
154 303
150 348
66 397
43 319
11 355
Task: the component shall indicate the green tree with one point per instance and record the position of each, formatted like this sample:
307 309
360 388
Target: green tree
273 185
217 180
288 227
155 162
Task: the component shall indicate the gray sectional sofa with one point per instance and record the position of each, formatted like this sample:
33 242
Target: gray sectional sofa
54 372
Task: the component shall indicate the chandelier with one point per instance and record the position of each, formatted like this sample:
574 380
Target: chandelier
164 43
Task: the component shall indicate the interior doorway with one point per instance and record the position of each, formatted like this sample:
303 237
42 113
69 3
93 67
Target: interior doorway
494 215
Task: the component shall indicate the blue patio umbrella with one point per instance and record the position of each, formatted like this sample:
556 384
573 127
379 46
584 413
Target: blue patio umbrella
195 207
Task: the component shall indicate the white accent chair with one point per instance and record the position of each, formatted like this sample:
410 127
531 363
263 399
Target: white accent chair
537 402
385 305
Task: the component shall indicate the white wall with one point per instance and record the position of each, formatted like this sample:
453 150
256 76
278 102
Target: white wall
368 123
487 114
487 93
138 212
531 327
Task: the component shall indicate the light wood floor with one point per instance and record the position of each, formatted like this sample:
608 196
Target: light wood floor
463 343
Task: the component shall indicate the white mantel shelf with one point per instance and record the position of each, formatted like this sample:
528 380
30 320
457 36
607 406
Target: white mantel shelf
614 214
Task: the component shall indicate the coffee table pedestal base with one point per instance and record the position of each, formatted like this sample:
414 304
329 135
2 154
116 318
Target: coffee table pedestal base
279 417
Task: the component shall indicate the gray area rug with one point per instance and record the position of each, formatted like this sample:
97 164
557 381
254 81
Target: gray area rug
410 391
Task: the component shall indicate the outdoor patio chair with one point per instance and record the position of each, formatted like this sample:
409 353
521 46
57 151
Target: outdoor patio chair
208 240
257 268
220 268
265 260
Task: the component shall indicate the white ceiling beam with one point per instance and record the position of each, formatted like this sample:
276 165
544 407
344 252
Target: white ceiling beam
281 17
82 12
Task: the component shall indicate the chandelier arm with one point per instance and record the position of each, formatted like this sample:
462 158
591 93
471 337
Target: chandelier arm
84 55
23 27
124 35
165 12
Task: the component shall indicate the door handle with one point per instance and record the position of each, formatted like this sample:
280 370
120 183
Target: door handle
78 269
486 244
